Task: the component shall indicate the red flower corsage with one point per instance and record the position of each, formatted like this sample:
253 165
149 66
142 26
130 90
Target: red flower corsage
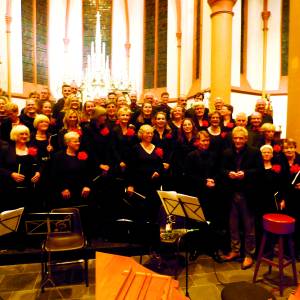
52 122
83 120
82 155
104 131
276 168
79 131
223 135
159 152
196 143
117 122
205 123
130 132
295 168
230 125
277 148
32 151
169 135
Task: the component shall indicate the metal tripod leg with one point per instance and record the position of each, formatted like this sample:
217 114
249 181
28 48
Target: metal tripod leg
46 277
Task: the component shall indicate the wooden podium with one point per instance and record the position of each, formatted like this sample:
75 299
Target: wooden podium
122 278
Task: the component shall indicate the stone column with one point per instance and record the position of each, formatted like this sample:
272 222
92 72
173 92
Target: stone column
221 44
293 126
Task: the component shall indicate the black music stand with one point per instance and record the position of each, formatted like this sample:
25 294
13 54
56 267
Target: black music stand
43 223
184 206
10 220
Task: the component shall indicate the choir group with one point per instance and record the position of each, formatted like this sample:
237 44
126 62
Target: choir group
110 156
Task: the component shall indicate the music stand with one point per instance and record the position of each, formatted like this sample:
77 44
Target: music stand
43 223
10 220
184 206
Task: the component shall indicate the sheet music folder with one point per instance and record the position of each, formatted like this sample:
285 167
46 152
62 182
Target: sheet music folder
10 220
182 205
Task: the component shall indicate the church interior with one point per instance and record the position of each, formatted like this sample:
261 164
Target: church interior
175 56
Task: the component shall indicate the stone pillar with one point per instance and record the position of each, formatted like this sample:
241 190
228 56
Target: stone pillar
221 44
293 126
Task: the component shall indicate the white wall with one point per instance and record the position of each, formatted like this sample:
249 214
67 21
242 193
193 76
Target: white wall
172 49
15 47
206 46
64 66
246 103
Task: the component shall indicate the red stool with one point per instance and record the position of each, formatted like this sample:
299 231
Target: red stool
282 226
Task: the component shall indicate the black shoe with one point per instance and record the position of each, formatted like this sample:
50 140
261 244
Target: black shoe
217 258
194 255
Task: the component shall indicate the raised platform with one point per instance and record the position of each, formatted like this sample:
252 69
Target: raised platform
32 254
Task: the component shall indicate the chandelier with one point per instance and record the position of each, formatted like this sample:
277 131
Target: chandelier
97 80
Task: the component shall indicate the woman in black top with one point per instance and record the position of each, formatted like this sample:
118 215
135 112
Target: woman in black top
185 143
44 144
291 159
19 171
146 168
71 173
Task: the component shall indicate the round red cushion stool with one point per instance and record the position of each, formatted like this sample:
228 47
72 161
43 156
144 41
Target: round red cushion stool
280 226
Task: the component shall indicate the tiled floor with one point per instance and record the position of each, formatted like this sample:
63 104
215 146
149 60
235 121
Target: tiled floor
206 279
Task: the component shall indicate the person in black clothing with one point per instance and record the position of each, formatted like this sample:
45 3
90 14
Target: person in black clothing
72 180
19 171
273 185
291 160
124 138
59 105
261 107
201 169
144 177
240 168
199 98
29 113
12 119
185 143
164 138
71 173
200 118
144 116
163 105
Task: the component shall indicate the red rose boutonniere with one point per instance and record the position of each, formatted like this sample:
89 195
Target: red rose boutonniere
230 125
104 131
168 135
295 168
32 151
117 122
276 168
223 135
82 155
130 132
276 148
205 123
159 152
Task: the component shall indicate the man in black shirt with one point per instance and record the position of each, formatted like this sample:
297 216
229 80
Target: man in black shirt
240 168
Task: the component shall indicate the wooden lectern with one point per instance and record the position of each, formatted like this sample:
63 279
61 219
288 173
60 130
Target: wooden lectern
122 278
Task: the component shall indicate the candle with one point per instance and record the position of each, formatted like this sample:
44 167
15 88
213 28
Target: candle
8 8
19 168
